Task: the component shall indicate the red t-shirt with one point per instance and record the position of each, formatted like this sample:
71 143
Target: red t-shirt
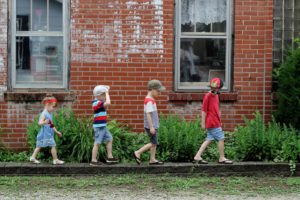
211 107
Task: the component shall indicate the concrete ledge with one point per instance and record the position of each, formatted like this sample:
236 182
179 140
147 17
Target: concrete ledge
237 169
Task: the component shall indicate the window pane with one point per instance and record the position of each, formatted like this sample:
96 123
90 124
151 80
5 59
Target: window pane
39 9
39 60
203 14
23 15
55 15
200 60
219 27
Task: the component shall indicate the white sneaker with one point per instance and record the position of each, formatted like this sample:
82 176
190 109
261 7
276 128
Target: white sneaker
58 162
33 160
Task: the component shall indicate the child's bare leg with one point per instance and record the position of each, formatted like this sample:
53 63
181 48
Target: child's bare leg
221 150
201 149
54 153
35 152
109 149
152 153
146 147
95 152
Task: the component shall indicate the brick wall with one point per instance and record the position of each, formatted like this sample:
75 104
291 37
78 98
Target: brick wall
3 67
122 44
253 57
126 43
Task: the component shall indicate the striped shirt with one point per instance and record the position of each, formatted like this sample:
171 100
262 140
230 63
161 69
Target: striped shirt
150 107
99 114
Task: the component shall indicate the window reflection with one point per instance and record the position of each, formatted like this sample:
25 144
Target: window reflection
201 58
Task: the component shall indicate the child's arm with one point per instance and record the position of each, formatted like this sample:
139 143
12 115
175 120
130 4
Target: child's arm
57 132
203 118
107 101
150 123
43 121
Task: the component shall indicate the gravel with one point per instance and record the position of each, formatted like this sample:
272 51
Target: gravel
126 194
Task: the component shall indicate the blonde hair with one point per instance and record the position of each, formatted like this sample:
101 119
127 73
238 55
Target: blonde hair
49 100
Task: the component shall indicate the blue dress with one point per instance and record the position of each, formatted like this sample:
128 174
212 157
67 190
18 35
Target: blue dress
45 137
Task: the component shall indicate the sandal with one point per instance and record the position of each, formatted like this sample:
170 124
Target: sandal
200 161
226 161
112 160
137 160
156 163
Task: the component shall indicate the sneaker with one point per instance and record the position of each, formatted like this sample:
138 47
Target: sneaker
112 160
58 162
33 160
96 163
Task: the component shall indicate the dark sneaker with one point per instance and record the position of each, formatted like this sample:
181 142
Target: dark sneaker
93 163
112 161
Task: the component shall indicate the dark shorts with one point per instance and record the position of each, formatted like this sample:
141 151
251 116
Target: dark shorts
153 137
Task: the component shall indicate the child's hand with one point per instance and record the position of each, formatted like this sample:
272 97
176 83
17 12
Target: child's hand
152 131
107 87
59 134
203 126
47 121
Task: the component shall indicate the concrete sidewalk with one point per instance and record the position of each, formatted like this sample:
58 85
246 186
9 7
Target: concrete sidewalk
212 169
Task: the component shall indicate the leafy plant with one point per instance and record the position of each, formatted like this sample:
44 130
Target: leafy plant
288 93
7 155
257 142
10 156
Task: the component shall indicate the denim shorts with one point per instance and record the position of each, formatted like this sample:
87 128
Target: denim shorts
215 134
153 137
101 134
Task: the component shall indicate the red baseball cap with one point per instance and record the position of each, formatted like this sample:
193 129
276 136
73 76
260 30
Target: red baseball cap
216 83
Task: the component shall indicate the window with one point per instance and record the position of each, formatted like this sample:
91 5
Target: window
39 50
286 27
203 43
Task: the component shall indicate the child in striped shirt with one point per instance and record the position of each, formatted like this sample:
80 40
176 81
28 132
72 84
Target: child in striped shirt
101 133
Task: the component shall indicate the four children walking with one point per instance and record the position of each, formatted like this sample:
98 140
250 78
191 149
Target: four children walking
210 121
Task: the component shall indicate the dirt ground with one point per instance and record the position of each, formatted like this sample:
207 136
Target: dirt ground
127 194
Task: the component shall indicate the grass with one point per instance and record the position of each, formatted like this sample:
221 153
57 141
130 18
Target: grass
250 186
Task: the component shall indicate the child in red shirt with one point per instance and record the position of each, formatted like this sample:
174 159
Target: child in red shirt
211 120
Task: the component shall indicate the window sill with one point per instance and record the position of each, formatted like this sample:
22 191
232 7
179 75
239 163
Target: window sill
225 96
32 96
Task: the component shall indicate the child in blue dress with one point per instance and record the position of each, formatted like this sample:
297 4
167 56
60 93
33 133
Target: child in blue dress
45 137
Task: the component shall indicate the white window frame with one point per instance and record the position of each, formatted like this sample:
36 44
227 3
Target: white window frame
63 33
179 35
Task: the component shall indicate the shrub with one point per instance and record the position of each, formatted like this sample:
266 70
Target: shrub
257 142
288 93
291 144
10 156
